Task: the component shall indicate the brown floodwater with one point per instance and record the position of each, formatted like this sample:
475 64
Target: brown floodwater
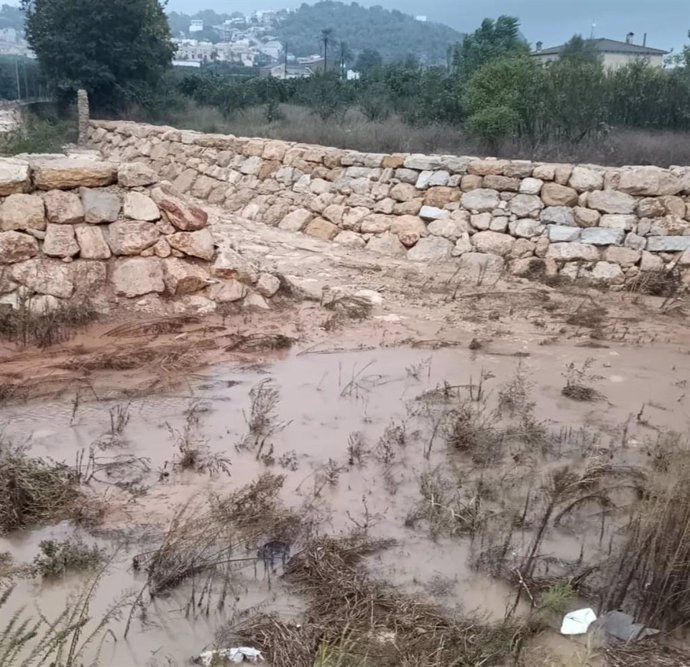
324 398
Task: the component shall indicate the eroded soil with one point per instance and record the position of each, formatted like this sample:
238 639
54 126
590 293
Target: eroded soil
341 381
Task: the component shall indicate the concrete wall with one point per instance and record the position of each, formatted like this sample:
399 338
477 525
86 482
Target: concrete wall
606 225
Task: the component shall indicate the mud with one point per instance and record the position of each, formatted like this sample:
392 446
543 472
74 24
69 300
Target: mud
325 397
338 381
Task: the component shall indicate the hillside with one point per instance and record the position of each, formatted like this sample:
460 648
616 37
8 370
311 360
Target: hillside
393 34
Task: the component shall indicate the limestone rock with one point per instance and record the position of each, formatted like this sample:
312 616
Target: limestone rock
135 174
45 276
184 217
651 207
618 221
610 201
60 241
68 174
486 167
525 206
228 291
451 228
501 183
635 241
63 208
480 200
493 243
531 186
647 181
161 248
100 205
471 182
423 162
255 301
403 192
184 277
553 194
651 262
20 211
375 223
583 179
130 237
387 244
334 213
438 197
138 276
624 256
409 229
481 221
530 267
668 243
563 234
479 268
92 244
462 245
14 177
433 213
572 251
296 221
138 206
321 229
17 247
229 264
350 239
602 236
431 249
558 215
586 217
527 228
267 285
194 244
608 273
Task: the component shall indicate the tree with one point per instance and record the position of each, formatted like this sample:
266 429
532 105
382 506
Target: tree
326 38
368 61
502 100
117 50
492 40
579 50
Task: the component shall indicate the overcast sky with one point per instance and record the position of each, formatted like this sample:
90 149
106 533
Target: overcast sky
666 22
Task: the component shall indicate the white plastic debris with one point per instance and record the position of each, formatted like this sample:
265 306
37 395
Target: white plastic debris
578 622
237 655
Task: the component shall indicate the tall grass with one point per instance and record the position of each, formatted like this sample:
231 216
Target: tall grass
352 130
38 135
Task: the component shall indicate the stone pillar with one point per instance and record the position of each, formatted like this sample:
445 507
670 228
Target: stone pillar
83 116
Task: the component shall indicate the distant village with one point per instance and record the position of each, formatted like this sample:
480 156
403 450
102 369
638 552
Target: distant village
247 41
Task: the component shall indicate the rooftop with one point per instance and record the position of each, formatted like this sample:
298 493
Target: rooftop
604 45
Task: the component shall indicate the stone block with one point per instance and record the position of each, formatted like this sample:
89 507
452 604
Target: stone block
135 277
135 174
558 215
60 241
193 244
63 208
563 234
14 177
22 212
387 244
480 200
433 213
45 276
553 194
100 205
138 206
602 236
431 249
493 243
92 243
182 276
611 201
67 174
668 243
17 247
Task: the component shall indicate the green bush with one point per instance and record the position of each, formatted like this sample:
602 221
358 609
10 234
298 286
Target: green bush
38 135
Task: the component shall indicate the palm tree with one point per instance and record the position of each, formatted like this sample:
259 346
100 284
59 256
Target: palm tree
326 35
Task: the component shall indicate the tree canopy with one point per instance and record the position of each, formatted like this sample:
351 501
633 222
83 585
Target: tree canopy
117 50
393 34
492 40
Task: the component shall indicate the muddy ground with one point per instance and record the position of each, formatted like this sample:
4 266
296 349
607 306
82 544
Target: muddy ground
359 428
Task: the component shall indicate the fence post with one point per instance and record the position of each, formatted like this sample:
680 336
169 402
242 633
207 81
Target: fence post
83 116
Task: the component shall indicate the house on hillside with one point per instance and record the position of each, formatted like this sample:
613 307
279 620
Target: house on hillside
613 54
289 72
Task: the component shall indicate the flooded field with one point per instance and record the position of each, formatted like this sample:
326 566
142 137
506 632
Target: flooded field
491 483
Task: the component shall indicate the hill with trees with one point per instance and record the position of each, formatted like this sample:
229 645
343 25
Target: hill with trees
393 34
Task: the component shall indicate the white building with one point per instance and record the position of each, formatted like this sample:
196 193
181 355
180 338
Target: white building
196 26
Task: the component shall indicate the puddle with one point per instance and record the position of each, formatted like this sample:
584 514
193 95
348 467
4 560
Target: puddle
324 399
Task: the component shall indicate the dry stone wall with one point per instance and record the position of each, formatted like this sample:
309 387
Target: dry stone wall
605 225
91 230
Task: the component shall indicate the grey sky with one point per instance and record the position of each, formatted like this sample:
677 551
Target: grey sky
666 22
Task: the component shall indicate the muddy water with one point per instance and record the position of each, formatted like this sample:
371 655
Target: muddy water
324 399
